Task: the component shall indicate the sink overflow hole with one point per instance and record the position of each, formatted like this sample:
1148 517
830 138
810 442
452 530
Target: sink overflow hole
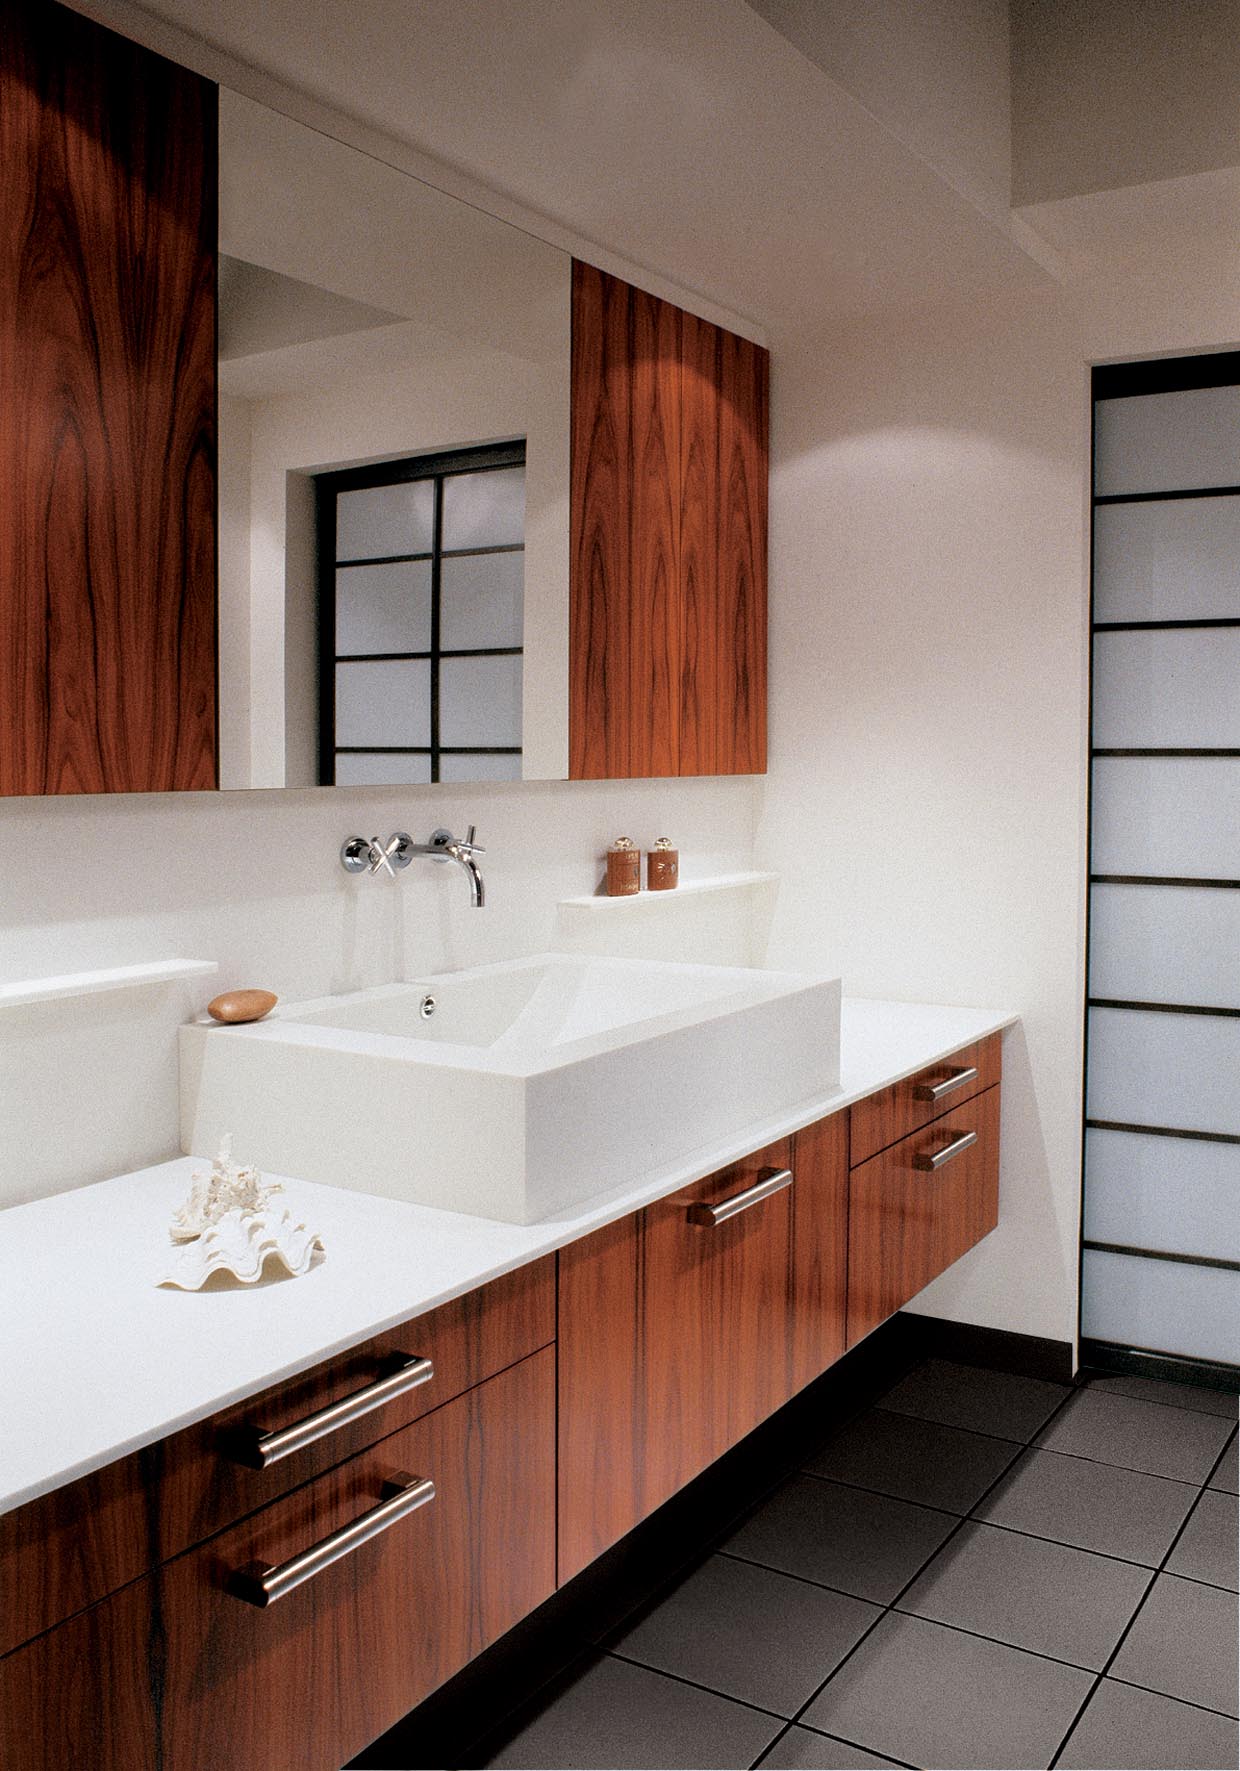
427 1007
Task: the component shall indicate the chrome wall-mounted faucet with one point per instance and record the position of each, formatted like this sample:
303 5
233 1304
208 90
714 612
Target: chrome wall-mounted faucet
359 854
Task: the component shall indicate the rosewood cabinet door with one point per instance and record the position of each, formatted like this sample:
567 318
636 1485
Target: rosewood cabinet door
908 1221
819 1248
320 1672
673 1336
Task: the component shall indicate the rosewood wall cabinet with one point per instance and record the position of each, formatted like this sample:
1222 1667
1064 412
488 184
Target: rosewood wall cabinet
107 386
668 539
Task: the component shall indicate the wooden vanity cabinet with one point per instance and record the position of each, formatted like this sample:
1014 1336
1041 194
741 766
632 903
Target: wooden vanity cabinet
667 539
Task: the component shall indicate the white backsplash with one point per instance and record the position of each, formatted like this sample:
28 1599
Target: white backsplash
88 1087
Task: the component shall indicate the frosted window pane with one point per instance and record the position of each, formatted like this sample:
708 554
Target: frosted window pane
1167 815
484 509
480 701
380 520
379 771
1176 1194
1172 1070
384 608
1168 442
384 703
1162 1305
1178 561
1165 944
479 768
480 600
1168 689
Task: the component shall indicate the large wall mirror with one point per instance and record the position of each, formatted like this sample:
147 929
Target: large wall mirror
393 474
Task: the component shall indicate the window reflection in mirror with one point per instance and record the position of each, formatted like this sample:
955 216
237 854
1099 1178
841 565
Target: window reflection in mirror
394 415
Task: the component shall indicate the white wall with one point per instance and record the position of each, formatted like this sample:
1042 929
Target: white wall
928 654
88 1088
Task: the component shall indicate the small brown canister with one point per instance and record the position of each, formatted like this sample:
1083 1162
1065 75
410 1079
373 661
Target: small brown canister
662 866
624 869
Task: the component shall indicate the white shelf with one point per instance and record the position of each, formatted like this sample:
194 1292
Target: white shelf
721 882
115 977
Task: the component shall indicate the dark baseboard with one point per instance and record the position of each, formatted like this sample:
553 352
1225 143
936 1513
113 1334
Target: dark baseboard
1173 1367
467 1719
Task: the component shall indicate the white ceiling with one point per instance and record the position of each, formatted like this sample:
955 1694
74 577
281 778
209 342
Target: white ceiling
686 135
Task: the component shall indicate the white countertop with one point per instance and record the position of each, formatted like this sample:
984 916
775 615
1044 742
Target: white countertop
97 1361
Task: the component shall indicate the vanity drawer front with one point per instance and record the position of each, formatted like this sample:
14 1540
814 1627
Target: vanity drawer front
322 1670
907 1222
894 1112
67 1550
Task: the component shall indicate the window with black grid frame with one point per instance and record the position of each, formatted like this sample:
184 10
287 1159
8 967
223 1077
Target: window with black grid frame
421 579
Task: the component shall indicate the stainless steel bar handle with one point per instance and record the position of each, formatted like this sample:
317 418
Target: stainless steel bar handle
934 1091
923 1159
257 1449
769 1182
262 1583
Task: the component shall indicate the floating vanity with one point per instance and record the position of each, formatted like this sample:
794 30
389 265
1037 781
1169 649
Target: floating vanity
189 1583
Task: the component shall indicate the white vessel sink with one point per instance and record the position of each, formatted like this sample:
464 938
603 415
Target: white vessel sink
529 1087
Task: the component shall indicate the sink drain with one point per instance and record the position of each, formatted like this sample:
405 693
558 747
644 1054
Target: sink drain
427 1007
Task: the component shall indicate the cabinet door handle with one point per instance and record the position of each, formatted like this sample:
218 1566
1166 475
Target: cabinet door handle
262 1583
934 1091
923 1159
769 1182
257 1449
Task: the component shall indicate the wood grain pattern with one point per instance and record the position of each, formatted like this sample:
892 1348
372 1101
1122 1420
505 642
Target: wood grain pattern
894 1112
312 1679
819 1289
905 1226
740 682
672 1346
700 369
67 1550
107 384
654 538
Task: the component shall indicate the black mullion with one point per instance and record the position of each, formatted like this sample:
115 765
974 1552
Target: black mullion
1185 750
386 559
1166 375
1165 879
1166 626
1163 1254
1166 497
1161 1008
1164 1131
436 575
465 553
480 750
325 529
444 652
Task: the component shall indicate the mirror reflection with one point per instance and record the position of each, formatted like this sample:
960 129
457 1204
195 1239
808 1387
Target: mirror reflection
394 406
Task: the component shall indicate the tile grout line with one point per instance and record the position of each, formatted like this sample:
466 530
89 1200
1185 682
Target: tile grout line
1144 1600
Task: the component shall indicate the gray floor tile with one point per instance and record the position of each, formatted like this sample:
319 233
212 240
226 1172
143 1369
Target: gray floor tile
935 1697
866 1544
1227 1476
803 1749
1210 1542
1184 1644
1154 1389
980 1401
749 1633
617 1717
1030 1593
1093 1506
1137 1435
1124 1729
914 1459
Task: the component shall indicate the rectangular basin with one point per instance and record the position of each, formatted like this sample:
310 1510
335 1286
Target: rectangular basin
511 1091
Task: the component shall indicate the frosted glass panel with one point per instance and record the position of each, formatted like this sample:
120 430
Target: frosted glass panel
384 608
378 771
1174 689
1168 442
484 509
1167 815
384 703
1159 1069
480 701
1162 1305
1178 561
1177 1194
480 600
479 768
1165 944
381 520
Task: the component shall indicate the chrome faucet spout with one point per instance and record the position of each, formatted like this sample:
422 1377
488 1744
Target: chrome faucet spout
361 856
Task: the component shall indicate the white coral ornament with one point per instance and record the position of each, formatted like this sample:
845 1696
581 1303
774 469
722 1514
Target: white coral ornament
228 1225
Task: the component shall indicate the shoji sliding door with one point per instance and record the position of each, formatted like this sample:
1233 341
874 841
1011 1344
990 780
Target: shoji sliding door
1161 1257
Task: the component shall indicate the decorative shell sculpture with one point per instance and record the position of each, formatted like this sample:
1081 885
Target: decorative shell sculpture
229 1225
